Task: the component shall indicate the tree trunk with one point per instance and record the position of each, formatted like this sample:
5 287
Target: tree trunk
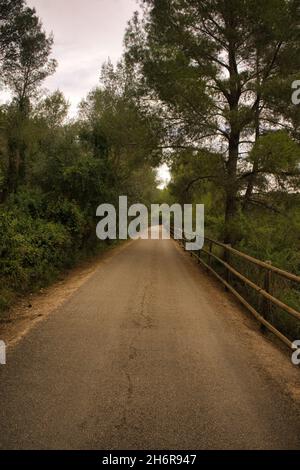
255 167
234 137
231 187
251 180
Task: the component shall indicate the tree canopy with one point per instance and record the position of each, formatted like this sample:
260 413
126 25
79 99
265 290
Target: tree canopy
221 71
203 85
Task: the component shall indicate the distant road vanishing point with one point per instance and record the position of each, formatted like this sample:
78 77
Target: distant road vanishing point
149 353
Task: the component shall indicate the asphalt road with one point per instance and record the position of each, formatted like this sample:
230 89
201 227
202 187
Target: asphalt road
147 354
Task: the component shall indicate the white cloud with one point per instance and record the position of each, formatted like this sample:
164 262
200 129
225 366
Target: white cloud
85 35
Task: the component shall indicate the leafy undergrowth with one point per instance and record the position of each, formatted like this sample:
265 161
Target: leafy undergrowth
37 243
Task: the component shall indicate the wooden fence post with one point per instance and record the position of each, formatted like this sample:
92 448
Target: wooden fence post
210 252
267 304
227 260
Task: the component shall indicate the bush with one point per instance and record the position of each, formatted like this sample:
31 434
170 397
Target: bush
32 252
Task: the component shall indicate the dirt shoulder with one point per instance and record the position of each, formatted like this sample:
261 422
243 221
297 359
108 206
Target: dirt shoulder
33 308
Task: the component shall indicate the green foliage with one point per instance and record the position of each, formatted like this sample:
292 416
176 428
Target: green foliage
48 219
32 251
25 54
204 86
213 68
278 155
273 237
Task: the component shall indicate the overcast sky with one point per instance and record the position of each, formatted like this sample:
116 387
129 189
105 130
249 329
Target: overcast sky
86 33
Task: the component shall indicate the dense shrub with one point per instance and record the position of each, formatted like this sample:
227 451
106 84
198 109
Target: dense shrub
32 251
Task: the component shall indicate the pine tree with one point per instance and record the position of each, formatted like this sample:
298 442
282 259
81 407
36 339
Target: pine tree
213 65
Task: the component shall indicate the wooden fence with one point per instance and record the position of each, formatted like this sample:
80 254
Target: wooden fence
215 254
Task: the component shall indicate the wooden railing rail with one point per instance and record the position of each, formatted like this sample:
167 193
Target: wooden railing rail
230 271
